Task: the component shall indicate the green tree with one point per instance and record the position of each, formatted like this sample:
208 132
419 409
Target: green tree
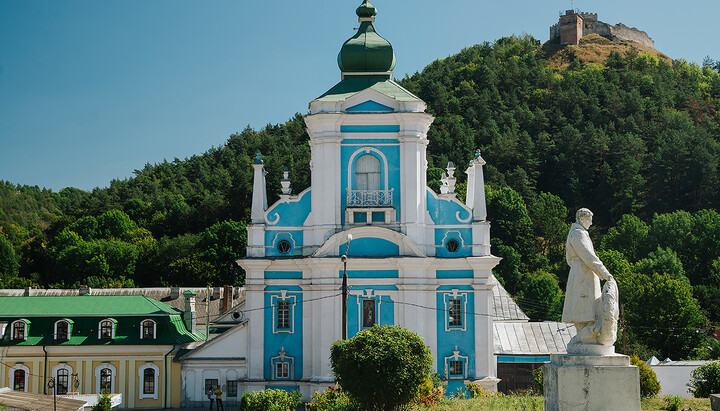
8 262
381 367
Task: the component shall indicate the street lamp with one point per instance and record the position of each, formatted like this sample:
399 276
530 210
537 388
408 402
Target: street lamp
51 385
344 258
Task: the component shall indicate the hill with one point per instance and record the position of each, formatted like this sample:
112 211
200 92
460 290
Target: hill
593 48
618 129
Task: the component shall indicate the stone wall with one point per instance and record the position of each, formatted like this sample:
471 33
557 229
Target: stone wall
591 24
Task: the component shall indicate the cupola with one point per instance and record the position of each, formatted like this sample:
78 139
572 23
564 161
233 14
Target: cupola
366 52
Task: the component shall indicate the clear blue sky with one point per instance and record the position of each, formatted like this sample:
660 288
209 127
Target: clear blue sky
92 90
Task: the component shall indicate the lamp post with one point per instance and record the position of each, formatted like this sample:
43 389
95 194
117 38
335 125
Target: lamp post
344 258
51 385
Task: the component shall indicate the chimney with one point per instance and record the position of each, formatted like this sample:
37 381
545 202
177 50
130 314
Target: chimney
174 293
189 314
84 289
28 293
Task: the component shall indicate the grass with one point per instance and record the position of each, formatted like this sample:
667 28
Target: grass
532 403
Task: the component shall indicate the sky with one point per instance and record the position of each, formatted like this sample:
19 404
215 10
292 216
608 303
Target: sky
91 90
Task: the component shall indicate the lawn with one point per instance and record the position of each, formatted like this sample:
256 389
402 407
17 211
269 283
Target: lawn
532 403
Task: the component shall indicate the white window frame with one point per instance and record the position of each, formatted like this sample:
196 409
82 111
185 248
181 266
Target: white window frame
141 381
11 375
456 357
112 332
154 329
26 329
283 296
69 329
368 294
282 358
456 294
113 373
63 366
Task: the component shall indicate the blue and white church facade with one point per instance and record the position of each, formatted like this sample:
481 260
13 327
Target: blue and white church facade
416 258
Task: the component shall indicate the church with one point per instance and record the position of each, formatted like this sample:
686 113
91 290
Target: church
412 257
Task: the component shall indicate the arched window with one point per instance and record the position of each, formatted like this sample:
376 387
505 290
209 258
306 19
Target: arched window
20 329
148 374
63 329
62 384
104 378
19 380
367 173
18 375
106 329
62 373
147 330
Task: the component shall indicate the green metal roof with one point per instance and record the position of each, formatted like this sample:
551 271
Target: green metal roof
354 84
83 305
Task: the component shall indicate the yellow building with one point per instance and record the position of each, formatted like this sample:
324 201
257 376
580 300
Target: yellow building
90 344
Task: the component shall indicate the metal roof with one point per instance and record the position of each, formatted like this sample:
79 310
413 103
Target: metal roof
504 307
85 305
531 338
19 400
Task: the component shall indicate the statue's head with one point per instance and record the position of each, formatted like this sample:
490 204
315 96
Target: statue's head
583 217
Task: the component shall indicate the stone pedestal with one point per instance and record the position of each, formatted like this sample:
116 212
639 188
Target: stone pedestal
591 383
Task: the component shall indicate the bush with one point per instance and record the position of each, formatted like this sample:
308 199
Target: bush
332 399
270 400
672 402
649 385
431 391
538 383
103 404
382 367
705 380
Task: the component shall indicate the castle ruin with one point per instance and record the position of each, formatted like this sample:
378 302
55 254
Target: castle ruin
574 24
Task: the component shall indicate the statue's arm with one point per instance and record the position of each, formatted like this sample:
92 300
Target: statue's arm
585 251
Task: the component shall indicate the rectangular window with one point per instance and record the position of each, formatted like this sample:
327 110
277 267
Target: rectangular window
62 383
148 330
232 389
282 370
455 368
106 328
62 330
455 312
368 307
283 314
19 380
210 383
19 331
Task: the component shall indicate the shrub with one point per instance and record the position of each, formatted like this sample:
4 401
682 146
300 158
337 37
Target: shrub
672 402
431 391
270 400
103 404
705 380
477 391
649 385
538 384
332 399
382 367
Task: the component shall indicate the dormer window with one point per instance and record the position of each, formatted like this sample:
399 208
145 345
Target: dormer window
106 329
20 330
63 329
147 330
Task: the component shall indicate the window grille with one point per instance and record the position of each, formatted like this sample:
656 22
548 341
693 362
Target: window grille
455 312
283 314
149 381
455 368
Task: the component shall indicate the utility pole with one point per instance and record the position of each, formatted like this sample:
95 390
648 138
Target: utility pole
622 315
51 385
344 258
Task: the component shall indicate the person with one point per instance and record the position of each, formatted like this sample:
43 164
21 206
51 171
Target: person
211 396
583 285
218 398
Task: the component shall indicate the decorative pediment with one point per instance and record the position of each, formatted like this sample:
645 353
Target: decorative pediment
370 241
370 106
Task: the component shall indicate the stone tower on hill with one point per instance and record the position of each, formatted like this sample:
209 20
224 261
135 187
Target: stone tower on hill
574 24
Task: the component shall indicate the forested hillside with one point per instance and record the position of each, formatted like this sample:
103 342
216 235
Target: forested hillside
635 139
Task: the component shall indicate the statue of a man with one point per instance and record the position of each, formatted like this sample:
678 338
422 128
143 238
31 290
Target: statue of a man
592 311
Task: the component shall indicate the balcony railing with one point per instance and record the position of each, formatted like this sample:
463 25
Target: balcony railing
370 198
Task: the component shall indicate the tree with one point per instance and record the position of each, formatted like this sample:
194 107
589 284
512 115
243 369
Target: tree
8 262
705 380
381 367
629 236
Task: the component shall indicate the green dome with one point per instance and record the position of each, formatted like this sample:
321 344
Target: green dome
366 51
